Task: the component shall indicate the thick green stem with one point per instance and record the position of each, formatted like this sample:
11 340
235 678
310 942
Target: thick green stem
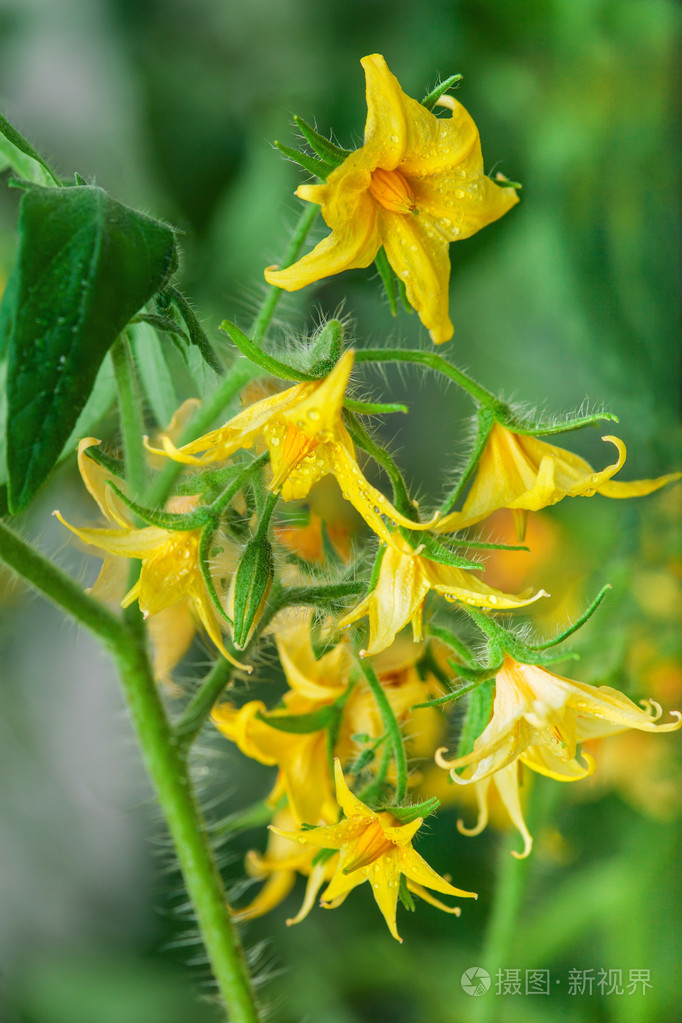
392 727
165 765
262 321
130 413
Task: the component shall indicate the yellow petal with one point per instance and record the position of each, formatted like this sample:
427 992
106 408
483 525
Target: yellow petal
507 782
95 477
354 241
415 868
636 488
384 876
316 879
418 252
126 543
417 889
349 803
274 891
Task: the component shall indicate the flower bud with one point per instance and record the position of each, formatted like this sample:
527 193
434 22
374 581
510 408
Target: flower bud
249 589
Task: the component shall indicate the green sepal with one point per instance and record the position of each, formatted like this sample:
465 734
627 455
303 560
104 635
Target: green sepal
485 421
197 334
331 555
86 265
477 717
322 855
577 624
504 182
542 428
432 97
316 167
331 597
373 408
300 724
328 151
388 279
402 291
24 160
407 814
405 895
482 672
164 323
376 568
448 637
204 553
435 551
441 701
163 519
326 347
116 466
267 362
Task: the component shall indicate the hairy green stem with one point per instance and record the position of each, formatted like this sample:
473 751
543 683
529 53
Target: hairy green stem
393 729
437 363
165 766
486 421
267 311
129 408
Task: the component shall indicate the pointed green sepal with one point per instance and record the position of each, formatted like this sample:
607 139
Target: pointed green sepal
326 347
435 551
267 362
164 520
204 564
116 466
197 334
328 151
578 624
373 408
477 717
432 97
300 724
388 279
407 814
316 167
544 428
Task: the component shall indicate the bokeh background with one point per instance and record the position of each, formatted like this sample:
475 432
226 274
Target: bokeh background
172 106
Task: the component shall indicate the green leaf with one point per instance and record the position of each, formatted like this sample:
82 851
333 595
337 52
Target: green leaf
98 404
153 371
7 307
86 265
18 153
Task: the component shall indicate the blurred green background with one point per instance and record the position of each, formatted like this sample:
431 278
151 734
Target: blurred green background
172 106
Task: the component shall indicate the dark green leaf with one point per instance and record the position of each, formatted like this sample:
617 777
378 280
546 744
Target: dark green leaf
86 264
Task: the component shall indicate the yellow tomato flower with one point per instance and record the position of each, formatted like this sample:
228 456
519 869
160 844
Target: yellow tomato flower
374 847
279 867
405 578
416 185
305 435
505 784
525 474
540 718
302 758
170 572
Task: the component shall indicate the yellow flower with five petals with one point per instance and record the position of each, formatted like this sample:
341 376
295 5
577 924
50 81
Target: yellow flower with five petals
374 846
304 432
525 474
540 718
170 574
405 578
414 186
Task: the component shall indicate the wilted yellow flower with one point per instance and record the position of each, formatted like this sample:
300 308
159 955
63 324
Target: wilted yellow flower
170 572
279 867
416 185
305 435
374 847
525 474
405 578
540 718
